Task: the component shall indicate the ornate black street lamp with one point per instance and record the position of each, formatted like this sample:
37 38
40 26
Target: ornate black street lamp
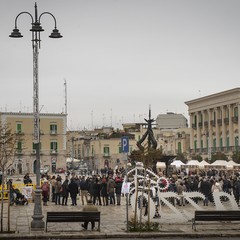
37 222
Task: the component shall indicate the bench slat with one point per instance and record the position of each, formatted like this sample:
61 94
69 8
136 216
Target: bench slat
77 216
217 215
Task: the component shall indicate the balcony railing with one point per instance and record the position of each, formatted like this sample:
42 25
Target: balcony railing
212 122
206 123
53 151
219 122
194 126
226 120
235 119
53 132
200 124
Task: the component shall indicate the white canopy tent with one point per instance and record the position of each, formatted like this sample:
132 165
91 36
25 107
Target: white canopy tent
232 164
203 163
220 164
177 163
193 163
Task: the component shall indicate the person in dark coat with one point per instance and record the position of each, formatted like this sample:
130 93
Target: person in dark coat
103 192
96 192
73 189
65 191
206 188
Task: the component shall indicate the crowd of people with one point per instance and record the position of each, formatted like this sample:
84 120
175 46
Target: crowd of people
205 183
102 190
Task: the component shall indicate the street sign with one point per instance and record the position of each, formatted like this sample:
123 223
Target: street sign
125 144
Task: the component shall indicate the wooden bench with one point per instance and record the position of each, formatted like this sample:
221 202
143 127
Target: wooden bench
215 215
70 216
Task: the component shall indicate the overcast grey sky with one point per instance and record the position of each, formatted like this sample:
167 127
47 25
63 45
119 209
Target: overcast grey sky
119 56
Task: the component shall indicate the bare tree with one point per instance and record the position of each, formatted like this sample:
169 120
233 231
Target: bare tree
8 141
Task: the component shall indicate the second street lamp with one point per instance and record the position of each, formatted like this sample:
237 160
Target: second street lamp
37 222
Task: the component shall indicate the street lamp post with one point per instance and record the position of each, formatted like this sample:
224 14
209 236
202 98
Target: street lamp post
37 222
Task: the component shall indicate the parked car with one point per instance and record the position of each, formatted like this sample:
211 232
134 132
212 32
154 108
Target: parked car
60 170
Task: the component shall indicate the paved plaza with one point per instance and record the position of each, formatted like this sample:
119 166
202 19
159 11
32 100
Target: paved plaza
113 224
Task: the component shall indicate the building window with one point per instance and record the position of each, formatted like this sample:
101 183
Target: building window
179 147
53 128
19 146
19 127
195 145
53 147
236 142
227 143
201 144
221 142
214 144
106 151
235 112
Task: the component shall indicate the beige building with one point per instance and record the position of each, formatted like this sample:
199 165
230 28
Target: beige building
174 141
214 123
52 141
98 149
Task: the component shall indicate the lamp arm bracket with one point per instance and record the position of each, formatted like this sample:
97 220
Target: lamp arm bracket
55 22
21 14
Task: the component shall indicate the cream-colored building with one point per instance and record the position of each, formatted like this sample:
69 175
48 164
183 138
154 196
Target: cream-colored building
214 123
174 141
98 149
52 141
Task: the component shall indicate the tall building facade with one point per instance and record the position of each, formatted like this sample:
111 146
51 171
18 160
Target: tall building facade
52 141
214 123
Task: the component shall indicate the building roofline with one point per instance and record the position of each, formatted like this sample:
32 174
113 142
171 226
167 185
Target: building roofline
31 114
213 95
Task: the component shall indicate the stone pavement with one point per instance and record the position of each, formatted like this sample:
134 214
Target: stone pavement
113 225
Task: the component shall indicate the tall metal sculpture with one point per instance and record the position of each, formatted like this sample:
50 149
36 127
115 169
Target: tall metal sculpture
151 143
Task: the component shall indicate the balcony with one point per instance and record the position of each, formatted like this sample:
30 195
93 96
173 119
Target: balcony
19 152
235 120
194 126
206 123
19 132
212 123
200 124
226 120
219 122
53 152
106 154
53 132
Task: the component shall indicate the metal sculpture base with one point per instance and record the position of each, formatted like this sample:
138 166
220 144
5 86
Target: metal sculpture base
37 223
